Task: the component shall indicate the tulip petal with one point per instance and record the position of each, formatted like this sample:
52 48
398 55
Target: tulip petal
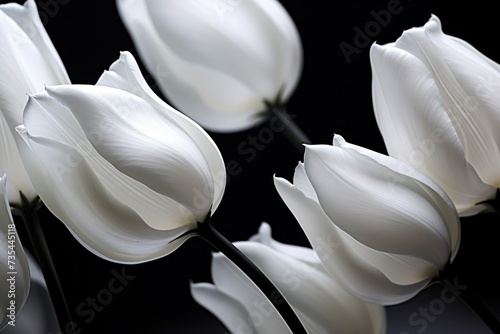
28 19
419 183
9 240
125 74
12 165
230 280
121 125
320 301
259 34
376 206
194 50
301 181
468 85
306 255
416 128
111 215
94 214
227 309
340 253
29 60
37 315
47 119
219 95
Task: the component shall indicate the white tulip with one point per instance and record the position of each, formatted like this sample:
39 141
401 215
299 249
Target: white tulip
37 315
320 302
127 174
15 282
217 62
437 104
28 61
380 227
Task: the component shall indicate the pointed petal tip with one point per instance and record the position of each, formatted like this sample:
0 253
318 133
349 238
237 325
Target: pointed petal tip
434 18
265 229
434 23
376 48
125 54
20 129
338 140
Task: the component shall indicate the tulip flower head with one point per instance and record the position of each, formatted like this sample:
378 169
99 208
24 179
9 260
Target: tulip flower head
321 302
128 175
438 109
218 63
381 228
37 316
28 62
15 282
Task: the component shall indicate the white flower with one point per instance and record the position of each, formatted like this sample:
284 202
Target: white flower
28 62
15 285
319 301
127 174
437 104
38 315
380 227
217 62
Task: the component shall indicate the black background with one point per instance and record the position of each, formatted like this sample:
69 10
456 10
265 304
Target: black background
334 96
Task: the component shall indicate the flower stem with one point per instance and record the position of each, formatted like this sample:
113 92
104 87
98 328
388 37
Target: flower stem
291 130
448 278
213 237
28 213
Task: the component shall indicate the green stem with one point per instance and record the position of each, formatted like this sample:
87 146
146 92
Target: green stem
213 237
291 130
28 213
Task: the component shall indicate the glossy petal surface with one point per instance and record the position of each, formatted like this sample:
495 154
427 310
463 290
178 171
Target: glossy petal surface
367 216
320 302
15 285
436 106
29 61
217 62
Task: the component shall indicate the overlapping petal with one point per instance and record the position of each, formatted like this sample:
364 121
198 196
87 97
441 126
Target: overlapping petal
29 61
92 201
467 83
126 75
15 283
38 315
320 302
129 176
436 107
217 62
368 216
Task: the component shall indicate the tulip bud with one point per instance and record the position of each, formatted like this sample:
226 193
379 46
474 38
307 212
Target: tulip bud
380 227
436 100
219 63
320 301
123 170
15 274
28 62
